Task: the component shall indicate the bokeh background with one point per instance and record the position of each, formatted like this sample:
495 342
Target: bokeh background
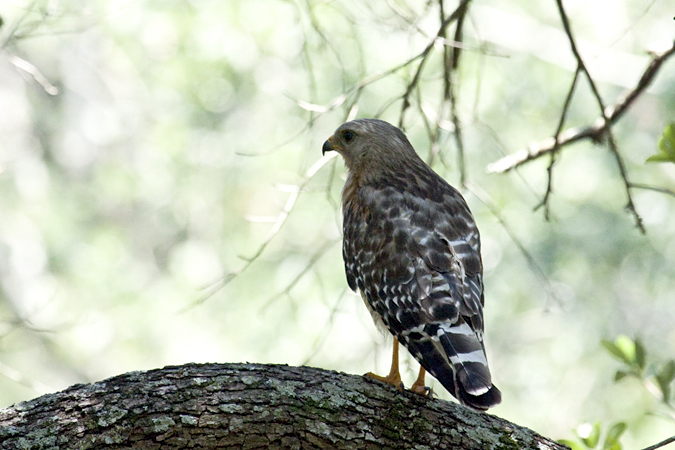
163 198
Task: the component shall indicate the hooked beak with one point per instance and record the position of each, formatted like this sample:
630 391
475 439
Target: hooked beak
327 146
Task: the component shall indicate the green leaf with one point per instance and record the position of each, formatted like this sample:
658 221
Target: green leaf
667 372
664 378
572 444
622 348
592 437
620 375
612 446
659 157
613 435
640 354
666 146
627 348
667 141
613 349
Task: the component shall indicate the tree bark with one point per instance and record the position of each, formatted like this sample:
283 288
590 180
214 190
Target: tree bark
251 406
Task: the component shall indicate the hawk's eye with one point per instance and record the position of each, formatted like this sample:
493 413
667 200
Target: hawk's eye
348 136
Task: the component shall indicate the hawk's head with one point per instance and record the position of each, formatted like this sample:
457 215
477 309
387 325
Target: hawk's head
370 145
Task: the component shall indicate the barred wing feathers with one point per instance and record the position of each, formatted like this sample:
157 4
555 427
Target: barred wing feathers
413 250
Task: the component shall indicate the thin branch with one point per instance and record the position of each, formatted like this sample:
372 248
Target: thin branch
663 443
608 134
341 99
20 63
534 265
34 73
459 11
652 188
19 378
605 119
311 263
561 123
451 96
325 330
276 227
12 34
427 113
593 132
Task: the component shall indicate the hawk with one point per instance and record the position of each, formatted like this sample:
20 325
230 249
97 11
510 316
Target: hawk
412 250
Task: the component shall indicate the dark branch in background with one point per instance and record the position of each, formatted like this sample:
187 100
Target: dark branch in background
452 55
536 268
434 129
652 188
424 55
607 130
663 443
556 146
593 132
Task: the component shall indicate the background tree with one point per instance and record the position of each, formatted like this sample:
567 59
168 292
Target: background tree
163 199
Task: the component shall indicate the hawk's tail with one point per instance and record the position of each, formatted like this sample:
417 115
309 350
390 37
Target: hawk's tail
455 356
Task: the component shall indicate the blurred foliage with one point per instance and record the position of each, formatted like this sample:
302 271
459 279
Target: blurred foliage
589 437
163 198
656 377
666 146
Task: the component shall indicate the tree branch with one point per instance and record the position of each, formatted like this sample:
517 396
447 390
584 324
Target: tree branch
556 146
458 12
661 444
251 406
593 132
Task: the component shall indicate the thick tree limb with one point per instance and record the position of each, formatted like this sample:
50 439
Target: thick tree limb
251 406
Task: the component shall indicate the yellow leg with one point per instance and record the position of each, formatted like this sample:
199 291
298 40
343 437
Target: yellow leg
394 377
418 386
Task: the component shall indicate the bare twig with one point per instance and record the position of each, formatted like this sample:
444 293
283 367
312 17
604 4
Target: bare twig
276 227
607 129
599 130
534 265
594 132
561 123
320 339
22 64
652 188
663 443
459 11
452 63
312 261
19 378
33 71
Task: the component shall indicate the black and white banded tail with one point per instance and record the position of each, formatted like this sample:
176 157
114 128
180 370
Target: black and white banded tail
455 356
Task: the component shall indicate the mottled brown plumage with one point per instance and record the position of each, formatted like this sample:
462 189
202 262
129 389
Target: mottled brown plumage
412 249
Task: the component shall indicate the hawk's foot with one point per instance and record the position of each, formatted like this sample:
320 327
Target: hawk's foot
419 387
394 378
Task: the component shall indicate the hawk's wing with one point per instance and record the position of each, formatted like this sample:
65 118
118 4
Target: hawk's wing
416 258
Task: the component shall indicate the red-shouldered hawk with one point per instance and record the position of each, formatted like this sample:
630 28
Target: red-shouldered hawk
412 249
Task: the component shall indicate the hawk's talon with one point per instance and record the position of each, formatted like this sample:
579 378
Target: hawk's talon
419 386
393 378
424 391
